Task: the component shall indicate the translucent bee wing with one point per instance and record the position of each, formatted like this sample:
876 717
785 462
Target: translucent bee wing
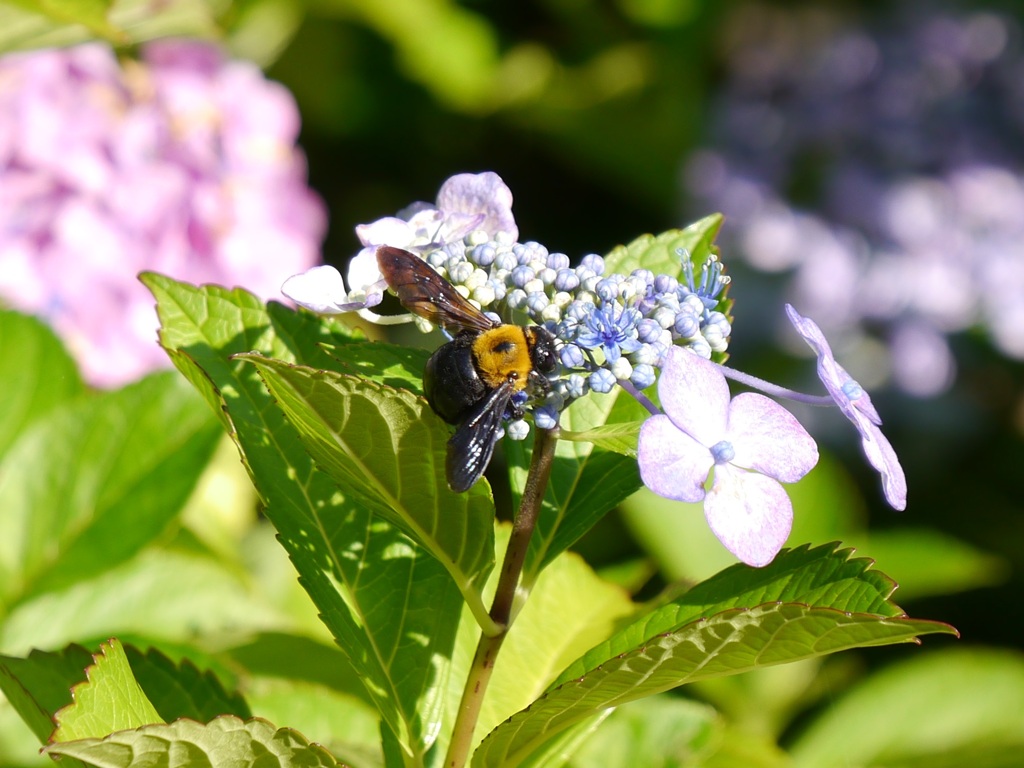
425 293
471 447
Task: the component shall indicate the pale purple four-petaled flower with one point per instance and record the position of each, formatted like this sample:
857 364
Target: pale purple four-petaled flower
856 405
750 443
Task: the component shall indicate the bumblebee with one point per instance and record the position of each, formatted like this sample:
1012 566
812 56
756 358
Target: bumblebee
484 375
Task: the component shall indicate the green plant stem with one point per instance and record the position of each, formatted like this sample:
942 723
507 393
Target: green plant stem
504 598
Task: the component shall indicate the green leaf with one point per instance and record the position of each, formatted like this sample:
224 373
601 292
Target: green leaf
392 607
451 50
807 603
223 743
567 595
586 481
658 253
346 725
39 685
656 732
390 364
948 708
96 480
111 700
619 438
386 450
27 24
297 658
161 593
927 562
89 14
37 372
181 690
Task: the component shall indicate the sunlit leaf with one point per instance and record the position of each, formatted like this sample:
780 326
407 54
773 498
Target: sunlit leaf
586 480
96 480
37 372
180 689
111 699
384 448
805 604
39 685
659 253
223 743
391 606
27 24
949 708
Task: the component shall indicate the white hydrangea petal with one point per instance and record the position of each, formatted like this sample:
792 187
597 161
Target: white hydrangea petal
319 289
480 193
749 513
695 395
882 457
768 438
363 271
672 464
389 230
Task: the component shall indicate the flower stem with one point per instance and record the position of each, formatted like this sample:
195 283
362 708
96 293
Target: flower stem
774 389
641 398
504 597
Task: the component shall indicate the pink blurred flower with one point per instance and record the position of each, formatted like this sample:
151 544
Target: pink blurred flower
183 163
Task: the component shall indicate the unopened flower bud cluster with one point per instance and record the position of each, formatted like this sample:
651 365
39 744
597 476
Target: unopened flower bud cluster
611 327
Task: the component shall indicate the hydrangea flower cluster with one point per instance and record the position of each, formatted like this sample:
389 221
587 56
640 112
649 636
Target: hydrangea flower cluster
183 162
915 232
623 329
612 328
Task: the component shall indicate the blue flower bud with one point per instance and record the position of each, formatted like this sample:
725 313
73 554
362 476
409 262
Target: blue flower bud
575 385
460 272
546 275
700 346
685 325
518 430
537 302
521 275
545 417
499 288
665 284
607 290
506 260
643 376
557 261
484 255
571 356
530 251
516 298
566 280
648 330
602 380
593 262
646 355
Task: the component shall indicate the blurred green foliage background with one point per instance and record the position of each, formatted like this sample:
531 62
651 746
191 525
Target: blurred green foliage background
589 110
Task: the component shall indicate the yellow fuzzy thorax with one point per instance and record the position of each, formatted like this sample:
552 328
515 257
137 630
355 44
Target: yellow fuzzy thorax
500 352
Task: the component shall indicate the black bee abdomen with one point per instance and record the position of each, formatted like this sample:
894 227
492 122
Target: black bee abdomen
450 381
